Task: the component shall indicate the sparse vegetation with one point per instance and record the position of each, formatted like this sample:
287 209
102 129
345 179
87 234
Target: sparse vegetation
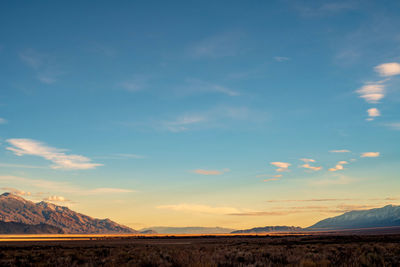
208 251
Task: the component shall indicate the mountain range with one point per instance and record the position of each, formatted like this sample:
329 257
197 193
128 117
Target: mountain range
21 216
16 209
386 216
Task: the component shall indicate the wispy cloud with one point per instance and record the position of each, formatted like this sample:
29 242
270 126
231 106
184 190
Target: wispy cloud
268 175
373 113
282 166
56 199
388 69
307 160
217 46
22 147
3 121
308 166
309 200
135 84
218 117
62 187
196 86
393 125
46 70
318 9
372 92
196 208
210 172
281 59
182 123
370 154
16 191
340 151
271 179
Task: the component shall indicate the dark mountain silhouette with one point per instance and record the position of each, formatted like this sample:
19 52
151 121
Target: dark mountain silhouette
380 217
268 229
8 228
17 209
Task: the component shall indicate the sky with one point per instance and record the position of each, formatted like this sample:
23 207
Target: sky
201 113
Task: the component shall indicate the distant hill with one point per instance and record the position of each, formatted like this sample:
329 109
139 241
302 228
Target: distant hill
380 217
268 229
17 209
15 228
148 232
189 230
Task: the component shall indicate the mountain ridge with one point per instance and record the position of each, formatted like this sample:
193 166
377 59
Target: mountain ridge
386 216
14 208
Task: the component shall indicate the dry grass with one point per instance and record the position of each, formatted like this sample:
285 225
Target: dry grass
208 251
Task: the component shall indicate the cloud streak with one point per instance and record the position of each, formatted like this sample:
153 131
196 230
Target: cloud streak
281 166
340 151
210 172
61 160
370 154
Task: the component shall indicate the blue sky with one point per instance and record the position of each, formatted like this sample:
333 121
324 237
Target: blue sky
201 113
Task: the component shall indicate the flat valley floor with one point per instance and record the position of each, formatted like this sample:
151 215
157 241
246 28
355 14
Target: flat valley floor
301 250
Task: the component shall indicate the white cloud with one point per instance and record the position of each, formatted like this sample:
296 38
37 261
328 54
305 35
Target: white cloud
370 154
307 166
61 160
210 172
307 160
372 113
388 69
372 92
282 166
339 166
195 208
3 121
340 151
